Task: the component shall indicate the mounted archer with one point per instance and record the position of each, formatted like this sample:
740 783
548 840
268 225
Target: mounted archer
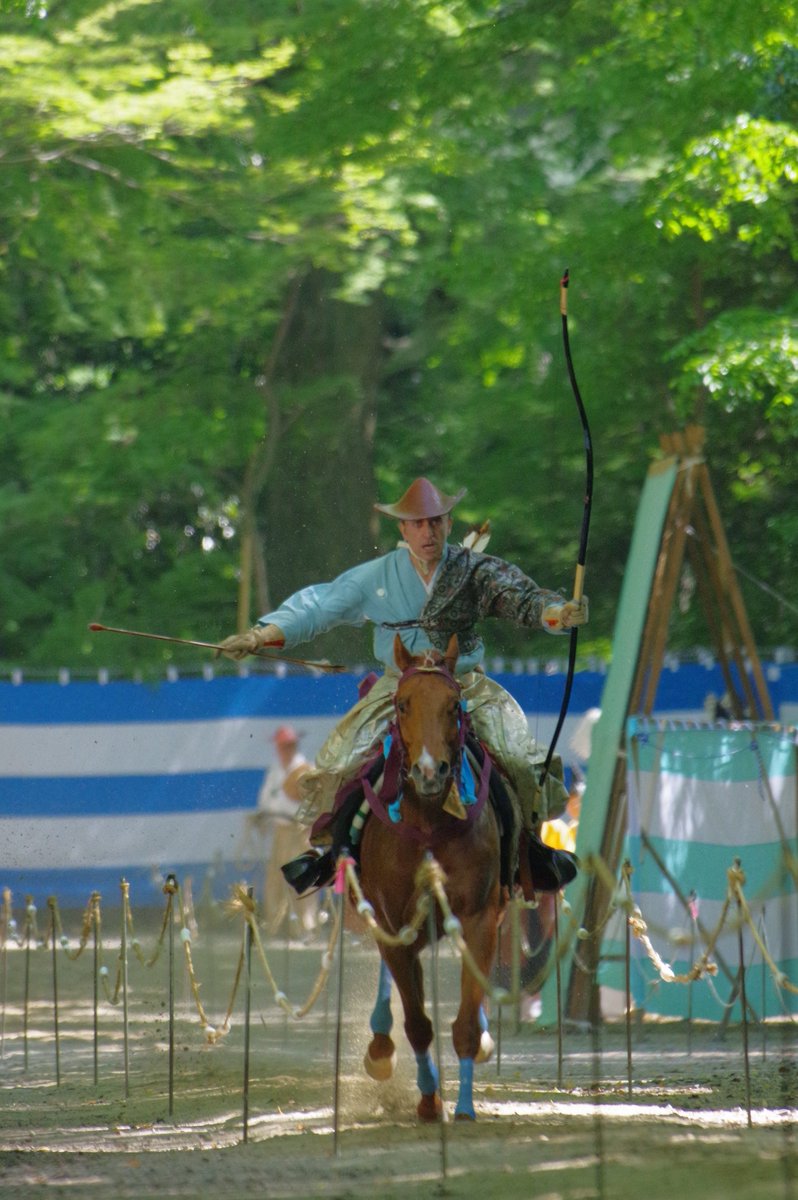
428 590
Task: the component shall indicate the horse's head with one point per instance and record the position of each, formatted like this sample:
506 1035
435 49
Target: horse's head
427 711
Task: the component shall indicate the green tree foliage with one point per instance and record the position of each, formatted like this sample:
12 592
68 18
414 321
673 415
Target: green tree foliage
262 263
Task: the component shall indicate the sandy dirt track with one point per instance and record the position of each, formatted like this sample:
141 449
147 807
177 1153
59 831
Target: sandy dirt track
684 1128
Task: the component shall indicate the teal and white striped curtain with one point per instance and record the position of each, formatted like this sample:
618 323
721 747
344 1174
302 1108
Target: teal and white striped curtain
701 797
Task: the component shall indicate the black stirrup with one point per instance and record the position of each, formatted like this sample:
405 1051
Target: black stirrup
550 869
313 869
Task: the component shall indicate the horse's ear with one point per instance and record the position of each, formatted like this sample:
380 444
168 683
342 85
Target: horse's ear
452 653
401 654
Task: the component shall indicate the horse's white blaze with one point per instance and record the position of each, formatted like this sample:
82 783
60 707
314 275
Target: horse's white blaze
426 763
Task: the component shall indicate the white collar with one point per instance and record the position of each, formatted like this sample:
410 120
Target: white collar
427 584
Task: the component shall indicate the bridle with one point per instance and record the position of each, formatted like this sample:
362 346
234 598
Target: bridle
385 804
463 719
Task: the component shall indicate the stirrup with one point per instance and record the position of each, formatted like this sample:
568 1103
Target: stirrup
550 869
314 868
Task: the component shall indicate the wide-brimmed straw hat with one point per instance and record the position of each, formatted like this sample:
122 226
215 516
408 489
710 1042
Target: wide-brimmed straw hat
421 500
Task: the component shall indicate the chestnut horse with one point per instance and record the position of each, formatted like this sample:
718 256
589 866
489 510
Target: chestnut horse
429 726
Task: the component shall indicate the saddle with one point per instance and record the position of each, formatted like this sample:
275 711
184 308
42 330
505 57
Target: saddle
536 866
524 858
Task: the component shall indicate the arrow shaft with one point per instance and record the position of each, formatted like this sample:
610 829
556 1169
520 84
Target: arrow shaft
95 627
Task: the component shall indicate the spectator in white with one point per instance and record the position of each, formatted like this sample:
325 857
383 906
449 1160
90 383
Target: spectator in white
275 820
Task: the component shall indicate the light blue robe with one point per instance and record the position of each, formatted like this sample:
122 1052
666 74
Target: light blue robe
384 589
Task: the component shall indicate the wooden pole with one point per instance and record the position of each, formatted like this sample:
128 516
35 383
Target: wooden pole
731 587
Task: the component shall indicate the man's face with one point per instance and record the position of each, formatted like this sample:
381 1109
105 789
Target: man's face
427 537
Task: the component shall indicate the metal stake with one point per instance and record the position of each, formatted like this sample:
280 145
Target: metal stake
432 938
96 998
123 961
515 967
51 903
598 1127
29 911
247 1014
763 1018
287 972
499 1007
170 887
340 887
693 907
558 973
744 1005
4 929
628 957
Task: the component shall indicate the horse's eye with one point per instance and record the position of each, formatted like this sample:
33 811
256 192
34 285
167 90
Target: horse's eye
401 706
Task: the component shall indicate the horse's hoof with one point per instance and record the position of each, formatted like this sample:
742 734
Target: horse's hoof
380 1057
485 1051
465 1116
430 1108
380 1068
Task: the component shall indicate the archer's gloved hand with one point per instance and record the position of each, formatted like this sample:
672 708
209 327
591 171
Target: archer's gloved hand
563 615
239 645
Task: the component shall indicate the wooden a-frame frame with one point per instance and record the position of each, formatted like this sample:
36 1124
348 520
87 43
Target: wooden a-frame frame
693 527
691 531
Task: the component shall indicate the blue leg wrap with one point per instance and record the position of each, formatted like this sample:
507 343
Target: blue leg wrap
381 1020
465 1097
426 1075
483 1019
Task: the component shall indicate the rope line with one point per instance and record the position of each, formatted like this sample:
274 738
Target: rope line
430 883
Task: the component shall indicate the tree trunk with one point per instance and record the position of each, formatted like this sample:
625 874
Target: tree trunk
317 512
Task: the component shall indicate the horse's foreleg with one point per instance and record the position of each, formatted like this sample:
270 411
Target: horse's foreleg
381 1020
407 973
430 1105
472 1042
380 1057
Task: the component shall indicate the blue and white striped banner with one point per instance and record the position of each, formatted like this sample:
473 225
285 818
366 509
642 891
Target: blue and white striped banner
100 782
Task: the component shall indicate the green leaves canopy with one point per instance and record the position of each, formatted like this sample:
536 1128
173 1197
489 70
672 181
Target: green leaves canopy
258 264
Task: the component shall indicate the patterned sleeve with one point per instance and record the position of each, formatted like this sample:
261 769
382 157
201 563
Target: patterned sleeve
503 590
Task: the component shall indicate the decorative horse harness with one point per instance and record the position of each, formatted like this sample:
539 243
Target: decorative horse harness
377 790
378 787
383 790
